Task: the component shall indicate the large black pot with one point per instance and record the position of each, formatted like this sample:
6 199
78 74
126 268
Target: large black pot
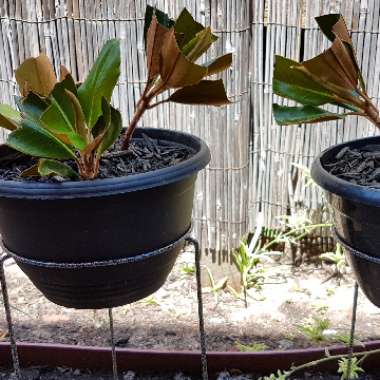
356 212
124 232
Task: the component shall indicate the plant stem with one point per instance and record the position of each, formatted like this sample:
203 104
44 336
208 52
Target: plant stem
158 103
371 111
329 358
142 105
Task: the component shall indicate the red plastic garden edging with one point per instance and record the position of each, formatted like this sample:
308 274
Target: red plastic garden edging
99 358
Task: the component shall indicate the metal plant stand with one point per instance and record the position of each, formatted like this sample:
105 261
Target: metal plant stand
8 315
15 357
202 334
352 332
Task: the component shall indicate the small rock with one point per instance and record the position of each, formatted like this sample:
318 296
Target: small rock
329 333
225 375
285 344
181 376
130 375
123 342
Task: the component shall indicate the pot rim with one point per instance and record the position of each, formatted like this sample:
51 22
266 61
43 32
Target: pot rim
117 185
330 183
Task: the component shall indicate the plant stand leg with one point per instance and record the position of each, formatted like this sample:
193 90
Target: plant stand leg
114 359
202 333
8 315
352 332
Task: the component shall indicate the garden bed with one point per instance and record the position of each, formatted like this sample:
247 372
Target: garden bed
168 319
44 361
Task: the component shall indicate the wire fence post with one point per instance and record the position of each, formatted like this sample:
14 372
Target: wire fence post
202 333
114 358
8 315
352 332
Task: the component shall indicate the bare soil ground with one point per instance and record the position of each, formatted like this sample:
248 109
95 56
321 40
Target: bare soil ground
168 319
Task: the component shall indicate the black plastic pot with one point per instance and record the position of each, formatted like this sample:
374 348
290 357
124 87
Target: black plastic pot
356 211
124 232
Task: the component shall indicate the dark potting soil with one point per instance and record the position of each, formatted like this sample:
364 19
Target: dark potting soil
144 155
76 374
358 166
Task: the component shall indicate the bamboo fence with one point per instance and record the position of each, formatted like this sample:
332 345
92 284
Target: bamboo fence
253 165
277 185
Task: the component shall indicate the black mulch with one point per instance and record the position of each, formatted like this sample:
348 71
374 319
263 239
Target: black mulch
361 167
143 155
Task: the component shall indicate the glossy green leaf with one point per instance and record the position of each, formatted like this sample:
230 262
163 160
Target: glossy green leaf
198 45
32 105
293 84
104 120
218 64
9 118
207 92
10 113
285 115
47 167
162 18
188 27
35 140
80 122
60 117
100 81
112 132
106 113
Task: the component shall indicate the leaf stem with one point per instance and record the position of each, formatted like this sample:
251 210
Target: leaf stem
158 103
371 111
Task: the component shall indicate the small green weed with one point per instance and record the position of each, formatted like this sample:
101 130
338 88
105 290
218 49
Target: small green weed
314 329
338 259
215 286
279 375
253 347
188 269
355 369
150 301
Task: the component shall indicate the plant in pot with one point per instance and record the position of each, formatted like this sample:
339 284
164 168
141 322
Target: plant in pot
96 215
349 173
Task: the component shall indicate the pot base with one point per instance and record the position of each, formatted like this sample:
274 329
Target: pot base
102 284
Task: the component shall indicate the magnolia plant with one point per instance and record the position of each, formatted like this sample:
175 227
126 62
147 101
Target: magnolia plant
332 77
172 48
60 120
